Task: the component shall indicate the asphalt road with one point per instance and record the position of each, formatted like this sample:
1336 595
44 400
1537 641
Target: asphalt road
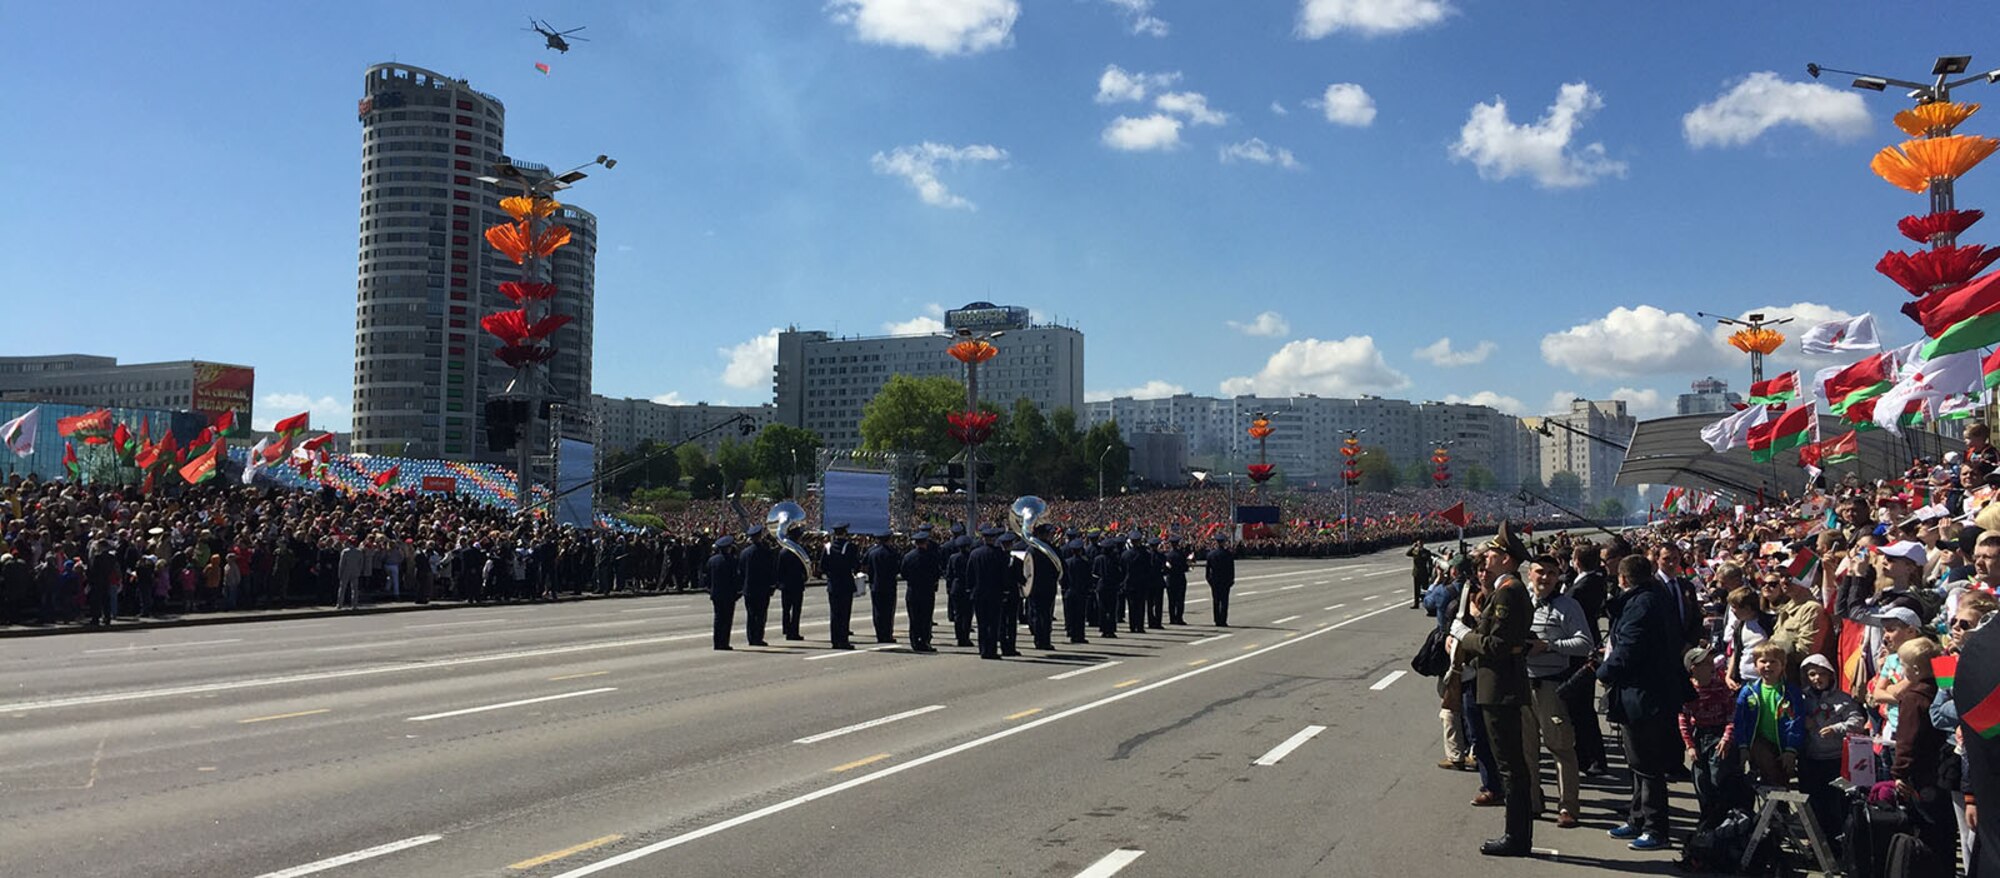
608 738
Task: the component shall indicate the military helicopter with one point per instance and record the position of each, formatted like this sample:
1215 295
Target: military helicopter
555 37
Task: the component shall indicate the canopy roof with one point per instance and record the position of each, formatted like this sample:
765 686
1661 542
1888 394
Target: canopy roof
1670 451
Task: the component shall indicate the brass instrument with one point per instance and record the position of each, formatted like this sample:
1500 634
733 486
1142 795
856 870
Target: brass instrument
779 521
1026 511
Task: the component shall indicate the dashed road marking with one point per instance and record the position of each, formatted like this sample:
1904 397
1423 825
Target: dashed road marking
1388 681
1085 670
844 730
565 853
355 857
1290 744
278 716
504 705
857 763
1111 863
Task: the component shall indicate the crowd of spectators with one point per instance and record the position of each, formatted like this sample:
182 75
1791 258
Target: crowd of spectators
1742 650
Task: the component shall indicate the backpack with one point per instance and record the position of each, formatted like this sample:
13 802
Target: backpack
1432 659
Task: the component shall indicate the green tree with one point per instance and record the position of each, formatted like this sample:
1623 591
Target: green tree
736 462
649 468
1532 483
1418 474
785 455
1611 509
1378 472
704 479
1478 478
908 415
1107 455
1567 488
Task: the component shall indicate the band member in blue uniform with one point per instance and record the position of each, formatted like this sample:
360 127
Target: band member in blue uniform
1045 574
839 561
1110 576
1076 587
921 567
989 579
1177 574
882 562
759 563
1219 567
792 575
1141 573
723 581
958 589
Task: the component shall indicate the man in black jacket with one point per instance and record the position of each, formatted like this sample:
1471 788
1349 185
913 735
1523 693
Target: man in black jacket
1045 575
1141 573
882 562
1177 575
988 579
721 578
921 567
792 573
1219 567
1648 685
1591 588
1076 588
1109 575
759 562
958 592
840 559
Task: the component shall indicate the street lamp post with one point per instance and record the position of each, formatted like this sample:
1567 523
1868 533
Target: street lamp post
1938 90
972 405
536 183
1347 517
1753 322
1100 471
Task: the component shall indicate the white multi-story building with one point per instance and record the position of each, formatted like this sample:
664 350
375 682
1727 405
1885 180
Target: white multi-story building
1574 450
822 382
83 379
1709 395
620 424
1305 442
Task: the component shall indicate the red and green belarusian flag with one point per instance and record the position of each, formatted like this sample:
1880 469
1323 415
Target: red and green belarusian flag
293 425
1962 319
228 424
1869 378
1790 430
1984 717
202 467
1840 449
387 478
70 462
1945 669
1772 391
1804 563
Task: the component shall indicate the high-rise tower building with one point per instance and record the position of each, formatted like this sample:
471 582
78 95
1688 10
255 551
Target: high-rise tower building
422 366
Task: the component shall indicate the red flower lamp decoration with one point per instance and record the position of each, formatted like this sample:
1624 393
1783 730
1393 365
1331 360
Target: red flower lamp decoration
1262 472
970 428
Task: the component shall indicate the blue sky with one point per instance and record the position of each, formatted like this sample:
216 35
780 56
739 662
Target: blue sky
1521 178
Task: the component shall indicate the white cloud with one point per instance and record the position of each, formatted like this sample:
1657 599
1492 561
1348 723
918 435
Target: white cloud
1503 404
922 324
1158 131
1256 150
1318 18
671 397
1154 389
1439 353
1269 323
1644 403
1192 104
940 27
328 413
1116 84
1631 341
1347 367
1762 101
918 166
1346 103
750 362
1278 109
1559 402
1140 14
1502 149
1803 314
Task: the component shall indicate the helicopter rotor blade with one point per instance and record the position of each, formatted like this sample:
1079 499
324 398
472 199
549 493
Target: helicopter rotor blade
573 30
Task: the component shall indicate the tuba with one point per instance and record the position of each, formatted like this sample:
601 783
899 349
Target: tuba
780 521
1026 512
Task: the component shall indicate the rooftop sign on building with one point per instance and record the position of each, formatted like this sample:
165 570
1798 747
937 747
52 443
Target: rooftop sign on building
986 317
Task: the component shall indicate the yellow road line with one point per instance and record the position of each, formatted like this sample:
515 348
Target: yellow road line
1197 663
262 719
858 763
570 851
1023 714
579 676
1251 647
1290 636
1132 682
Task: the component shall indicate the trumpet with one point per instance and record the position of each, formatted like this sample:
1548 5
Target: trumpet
1025 511
779 521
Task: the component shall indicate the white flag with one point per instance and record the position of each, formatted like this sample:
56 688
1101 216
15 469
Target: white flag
1929 381
19 433
255 461
1735 429
1842 336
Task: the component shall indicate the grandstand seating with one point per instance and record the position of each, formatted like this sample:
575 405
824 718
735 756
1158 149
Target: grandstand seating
487 483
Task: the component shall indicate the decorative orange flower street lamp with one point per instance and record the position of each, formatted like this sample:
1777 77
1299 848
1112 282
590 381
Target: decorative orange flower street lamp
972 426
1754 338
524 332
1260 430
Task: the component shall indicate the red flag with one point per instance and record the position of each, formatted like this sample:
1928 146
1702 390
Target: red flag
69 459
316 442
89 422
294 424
202 468
388 476
1456 515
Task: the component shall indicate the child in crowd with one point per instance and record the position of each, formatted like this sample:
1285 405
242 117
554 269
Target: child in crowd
1768 718
1831 715
1704 723
1920 747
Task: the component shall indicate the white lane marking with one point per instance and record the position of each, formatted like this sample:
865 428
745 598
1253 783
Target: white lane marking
1209 639
138 646
841 652
1371 597
1244 593
355 857
1388 681
453 624
1290 587
946 753
372 670
1085 670
1111 863
484 708
1290 744
1196 600
824 736
1283 621
1379 573
1321 582
1348 578
1334 607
